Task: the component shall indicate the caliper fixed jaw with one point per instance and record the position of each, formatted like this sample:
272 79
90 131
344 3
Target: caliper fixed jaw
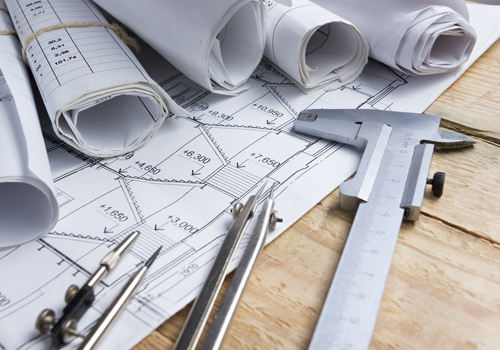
369 137
358 189
343 125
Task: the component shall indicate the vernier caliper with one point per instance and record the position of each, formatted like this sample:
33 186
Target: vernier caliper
388 186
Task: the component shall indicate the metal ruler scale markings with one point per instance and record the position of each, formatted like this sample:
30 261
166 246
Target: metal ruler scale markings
358 286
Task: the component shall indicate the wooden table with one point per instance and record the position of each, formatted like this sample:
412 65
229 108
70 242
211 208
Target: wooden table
443 290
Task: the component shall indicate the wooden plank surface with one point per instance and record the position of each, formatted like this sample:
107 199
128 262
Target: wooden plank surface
443 290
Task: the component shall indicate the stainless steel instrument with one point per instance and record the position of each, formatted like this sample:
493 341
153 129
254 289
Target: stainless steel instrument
79 300
117 305
193 327
388 186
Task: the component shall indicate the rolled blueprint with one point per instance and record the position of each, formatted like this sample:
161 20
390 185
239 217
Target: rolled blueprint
217 44
28 205
314 47
415 36
99 98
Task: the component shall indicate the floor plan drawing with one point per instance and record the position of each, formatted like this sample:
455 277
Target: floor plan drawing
178 191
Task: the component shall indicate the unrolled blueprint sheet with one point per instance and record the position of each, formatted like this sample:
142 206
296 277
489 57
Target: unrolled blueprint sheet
178 191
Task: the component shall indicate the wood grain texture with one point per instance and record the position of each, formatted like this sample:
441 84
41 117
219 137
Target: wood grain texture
472 190
443 290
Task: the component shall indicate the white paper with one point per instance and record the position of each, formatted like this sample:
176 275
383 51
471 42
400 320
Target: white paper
28 205
217 44
94 89
418 37
313 46
178 191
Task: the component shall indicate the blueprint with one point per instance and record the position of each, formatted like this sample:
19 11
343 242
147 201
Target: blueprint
314 47
179 189
216 43
25 179
90 81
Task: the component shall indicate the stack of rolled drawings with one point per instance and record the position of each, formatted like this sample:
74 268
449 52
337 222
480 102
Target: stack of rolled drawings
314 47
99 98
28 205
417 37
217 44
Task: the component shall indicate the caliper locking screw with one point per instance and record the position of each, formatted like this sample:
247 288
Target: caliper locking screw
437 183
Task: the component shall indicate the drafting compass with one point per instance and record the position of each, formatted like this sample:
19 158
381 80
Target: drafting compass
388 186
79 300
198 316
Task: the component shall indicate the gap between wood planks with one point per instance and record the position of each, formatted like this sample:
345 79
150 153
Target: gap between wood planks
476 134
463 229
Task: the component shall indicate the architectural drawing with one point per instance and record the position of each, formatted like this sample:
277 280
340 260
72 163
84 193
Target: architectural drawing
178 191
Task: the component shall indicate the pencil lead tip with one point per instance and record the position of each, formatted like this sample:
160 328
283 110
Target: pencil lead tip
261 189
153 257
271 193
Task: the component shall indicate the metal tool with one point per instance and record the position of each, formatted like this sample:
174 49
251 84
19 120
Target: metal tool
117 305
388 186
200 311
79 300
